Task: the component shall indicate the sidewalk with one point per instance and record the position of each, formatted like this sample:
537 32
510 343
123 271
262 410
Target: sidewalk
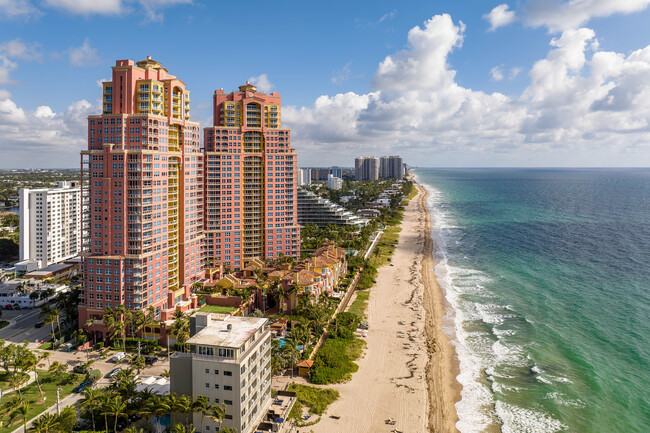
67 401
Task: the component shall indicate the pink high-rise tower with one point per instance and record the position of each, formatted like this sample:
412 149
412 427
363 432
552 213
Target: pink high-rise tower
142 195
251 180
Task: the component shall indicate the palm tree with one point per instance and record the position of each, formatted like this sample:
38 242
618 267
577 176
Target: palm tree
89 325
45 423
92 402
16 381
217 413
180 428
181 327
150 319
117 320
201 405
23 409
116 406
180 404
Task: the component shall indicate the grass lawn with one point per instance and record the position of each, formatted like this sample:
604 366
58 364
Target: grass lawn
33 397
316 399
3 323
358 306
46 346
217 309
4 380
385 248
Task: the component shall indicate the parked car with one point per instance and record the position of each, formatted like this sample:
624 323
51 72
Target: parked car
150 360
113 372
39 324
119 356
8 307
83 385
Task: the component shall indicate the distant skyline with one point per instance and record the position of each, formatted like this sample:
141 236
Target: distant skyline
529 83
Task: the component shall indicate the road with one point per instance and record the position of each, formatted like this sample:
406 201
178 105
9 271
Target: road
22 326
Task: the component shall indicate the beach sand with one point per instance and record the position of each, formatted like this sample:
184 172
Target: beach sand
409 368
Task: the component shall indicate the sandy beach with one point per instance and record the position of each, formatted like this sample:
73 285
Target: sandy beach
408 371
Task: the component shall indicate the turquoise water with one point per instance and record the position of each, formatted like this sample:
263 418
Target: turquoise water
548 276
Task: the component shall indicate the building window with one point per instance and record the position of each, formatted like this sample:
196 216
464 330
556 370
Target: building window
216 386
216 371
227 373
227 388
207 385
228 402
207 370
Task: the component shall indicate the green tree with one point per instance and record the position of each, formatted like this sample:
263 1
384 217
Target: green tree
45 423
92 402
115 406
201 405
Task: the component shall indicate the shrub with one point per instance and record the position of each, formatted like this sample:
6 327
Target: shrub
332 365
99 346
94 375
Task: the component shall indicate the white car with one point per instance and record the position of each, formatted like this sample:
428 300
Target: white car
119 356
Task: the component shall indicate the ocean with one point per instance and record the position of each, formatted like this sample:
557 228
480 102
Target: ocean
547 276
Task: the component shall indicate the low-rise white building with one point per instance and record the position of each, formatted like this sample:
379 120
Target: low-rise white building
230 364
50 223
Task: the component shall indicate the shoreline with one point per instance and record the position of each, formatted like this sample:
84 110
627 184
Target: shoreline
443 366
409 368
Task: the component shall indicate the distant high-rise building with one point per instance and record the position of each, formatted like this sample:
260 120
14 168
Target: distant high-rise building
366 168
334 182
391 167
251 180
142 195
304 176
50 223
336 171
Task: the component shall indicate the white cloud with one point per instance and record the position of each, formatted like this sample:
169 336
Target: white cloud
6 66
87 7
560 15
499 16
18 9
262 83
388 16
497 73
342 75
580 103
44 112
57 138
152 8
84 55
20 50
514 72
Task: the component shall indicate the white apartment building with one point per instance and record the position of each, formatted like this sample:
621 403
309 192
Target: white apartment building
334 182
304 176
50 223
230 364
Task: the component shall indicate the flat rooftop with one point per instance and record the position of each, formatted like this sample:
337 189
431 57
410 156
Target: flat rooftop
217 333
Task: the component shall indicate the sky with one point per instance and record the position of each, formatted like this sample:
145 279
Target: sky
550 83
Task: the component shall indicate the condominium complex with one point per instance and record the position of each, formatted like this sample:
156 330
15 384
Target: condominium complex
50 223
229 362
142 195
313 209
366 168
391 167
251 180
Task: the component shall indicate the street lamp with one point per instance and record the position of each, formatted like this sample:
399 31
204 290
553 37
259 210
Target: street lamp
58 401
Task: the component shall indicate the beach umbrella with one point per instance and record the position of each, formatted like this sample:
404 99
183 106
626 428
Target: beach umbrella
279 420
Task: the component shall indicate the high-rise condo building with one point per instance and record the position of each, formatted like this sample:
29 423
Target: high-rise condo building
251 180
391 167
304 176
366 168
50 223
230 364
142 195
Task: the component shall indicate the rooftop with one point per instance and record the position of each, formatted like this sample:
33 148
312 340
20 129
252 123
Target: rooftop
217 332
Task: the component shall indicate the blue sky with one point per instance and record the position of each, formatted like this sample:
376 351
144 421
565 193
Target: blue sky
443 83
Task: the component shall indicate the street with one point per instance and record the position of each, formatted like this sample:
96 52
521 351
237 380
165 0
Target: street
21 326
